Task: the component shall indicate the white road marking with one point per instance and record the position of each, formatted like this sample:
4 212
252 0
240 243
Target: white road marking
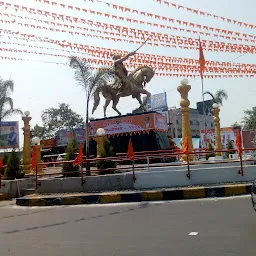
193 234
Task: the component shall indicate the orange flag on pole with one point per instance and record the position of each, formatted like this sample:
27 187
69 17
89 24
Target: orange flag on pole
79 157
185 146
239 143
33 161
201 60
130 152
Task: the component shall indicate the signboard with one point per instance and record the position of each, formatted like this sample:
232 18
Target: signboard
63 137
129 124
48 143
195 141
249 138
226 134
161 122
9 135
207 107
157 102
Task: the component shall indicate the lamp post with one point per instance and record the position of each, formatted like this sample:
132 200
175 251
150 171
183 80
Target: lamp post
26 147
100 133
216 120
183 89
36 144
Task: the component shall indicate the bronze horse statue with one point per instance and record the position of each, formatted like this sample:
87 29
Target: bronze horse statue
112 88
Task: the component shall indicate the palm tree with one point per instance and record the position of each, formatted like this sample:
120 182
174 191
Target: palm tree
218 97
90 82
6 102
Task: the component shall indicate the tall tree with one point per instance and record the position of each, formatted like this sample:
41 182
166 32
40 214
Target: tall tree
61 117
249 119
38 131
6 102
89 81
219 96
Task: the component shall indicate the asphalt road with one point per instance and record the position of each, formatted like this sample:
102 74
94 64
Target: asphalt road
221 227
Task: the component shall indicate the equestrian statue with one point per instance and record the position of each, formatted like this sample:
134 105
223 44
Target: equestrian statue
116 83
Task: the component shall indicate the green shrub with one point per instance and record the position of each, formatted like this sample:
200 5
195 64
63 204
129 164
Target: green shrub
68 169
5 158
106 151
13 170
210 149
230 147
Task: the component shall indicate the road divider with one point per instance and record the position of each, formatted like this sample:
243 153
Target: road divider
135 196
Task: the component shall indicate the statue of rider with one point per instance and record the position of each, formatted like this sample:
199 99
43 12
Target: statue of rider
120 69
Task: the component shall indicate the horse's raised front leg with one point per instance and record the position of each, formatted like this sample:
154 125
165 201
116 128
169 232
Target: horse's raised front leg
138 98
115 102
143 91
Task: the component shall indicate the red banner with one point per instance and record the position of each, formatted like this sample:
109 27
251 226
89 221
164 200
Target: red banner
134 124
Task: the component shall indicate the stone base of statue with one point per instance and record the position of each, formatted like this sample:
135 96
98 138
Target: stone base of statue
148 131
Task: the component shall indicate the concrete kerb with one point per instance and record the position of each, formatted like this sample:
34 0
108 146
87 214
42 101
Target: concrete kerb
135 196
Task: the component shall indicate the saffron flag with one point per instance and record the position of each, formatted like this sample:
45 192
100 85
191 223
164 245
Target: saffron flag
239 143
201 60
33 161
130 152
185 146
79 157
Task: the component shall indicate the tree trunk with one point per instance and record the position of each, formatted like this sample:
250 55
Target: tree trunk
88 173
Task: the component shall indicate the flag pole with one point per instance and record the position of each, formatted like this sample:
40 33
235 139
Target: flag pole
202 80
202 68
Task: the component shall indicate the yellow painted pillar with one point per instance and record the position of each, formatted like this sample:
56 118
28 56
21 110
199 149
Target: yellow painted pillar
99 140
216 120
26 146
100 133
183 89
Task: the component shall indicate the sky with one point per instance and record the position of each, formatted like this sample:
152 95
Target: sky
39 85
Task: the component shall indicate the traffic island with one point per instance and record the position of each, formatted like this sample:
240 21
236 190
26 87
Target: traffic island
135 196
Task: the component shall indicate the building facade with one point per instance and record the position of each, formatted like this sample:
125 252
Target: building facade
197 120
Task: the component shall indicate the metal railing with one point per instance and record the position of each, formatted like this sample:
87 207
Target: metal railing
126 165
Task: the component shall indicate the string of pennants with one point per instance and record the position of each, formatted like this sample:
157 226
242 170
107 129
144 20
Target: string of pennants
158 17
174 75
187 68
101 52
157 39
151 60
161 66
166 41
179 67
226 34
206 14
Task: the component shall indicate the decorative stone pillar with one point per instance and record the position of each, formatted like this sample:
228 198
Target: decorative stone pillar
183 89
216 120
36 144
26 146
100 133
